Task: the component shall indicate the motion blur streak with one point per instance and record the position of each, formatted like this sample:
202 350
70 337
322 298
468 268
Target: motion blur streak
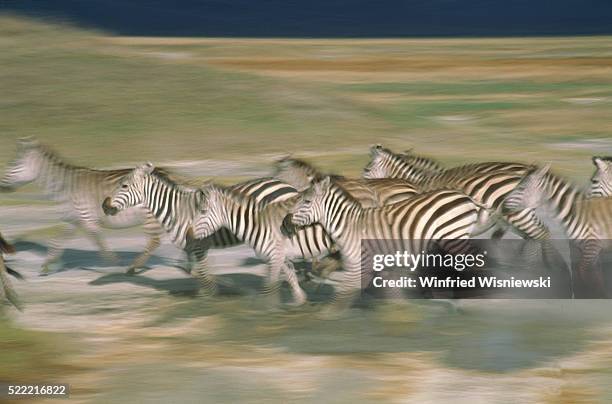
225 109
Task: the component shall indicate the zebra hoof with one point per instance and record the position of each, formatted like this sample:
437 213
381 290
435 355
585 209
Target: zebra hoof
298 300
131 271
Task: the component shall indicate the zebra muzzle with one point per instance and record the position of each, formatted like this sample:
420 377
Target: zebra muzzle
108 208
288 228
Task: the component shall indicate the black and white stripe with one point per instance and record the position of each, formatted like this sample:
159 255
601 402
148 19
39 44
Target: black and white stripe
259 225
80 191
175 206
426 164
601 181
586 221
369 192
6 289
487 183
447 217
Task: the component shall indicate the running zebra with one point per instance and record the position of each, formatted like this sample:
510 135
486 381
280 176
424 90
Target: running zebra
601 182
80 192
175 206
487 183
443 217
259 226
7 290
370 192
587 222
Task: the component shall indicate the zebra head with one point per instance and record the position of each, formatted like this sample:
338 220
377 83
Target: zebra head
601 181
530 192
309 206
295 172
129 192
379 161
209 218
26 166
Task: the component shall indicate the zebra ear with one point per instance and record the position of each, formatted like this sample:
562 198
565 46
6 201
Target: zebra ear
374 149
600 163
148 167
27 142
284 161
323 184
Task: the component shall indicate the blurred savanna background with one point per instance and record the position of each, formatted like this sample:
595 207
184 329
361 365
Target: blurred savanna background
224 108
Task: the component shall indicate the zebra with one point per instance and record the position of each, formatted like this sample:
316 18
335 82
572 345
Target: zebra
586 221
80 192
601 181
487 183
447 217
423 163
175 206
370 192
259 226
7 290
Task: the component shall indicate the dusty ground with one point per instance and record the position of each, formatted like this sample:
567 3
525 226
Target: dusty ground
130 338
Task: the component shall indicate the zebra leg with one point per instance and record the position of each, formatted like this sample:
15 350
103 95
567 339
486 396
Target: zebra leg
348 289
530 227
588 270
153 230
56 246
528 224
93 231
7 289
208 286
299 297
272 287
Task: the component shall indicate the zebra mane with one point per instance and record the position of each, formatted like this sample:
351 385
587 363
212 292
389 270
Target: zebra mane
49 153
239 196
337 186
171 180
309 168
401 158
379 149
420 162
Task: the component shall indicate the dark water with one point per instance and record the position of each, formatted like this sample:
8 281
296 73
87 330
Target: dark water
329 18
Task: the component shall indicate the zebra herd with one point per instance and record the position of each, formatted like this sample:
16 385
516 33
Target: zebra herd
302 213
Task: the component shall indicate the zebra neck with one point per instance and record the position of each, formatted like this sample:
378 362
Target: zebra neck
165 202
566 202
54 175
341 214
409 172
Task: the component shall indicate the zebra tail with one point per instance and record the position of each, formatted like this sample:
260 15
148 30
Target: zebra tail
5 247
14 273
